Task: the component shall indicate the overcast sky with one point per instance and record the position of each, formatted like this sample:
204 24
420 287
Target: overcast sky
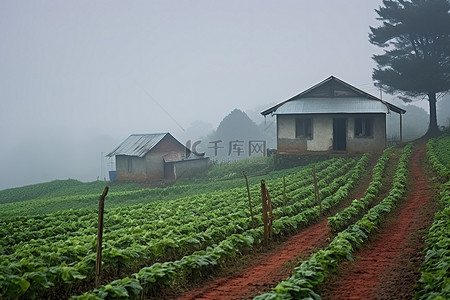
78 77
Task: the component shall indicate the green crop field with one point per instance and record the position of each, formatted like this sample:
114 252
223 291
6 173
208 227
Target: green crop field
162 238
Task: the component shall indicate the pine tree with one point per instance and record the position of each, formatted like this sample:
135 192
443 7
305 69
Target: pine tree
416 62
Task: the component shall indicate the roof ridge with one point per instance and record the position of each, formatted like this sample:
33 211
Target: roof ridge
139 144
136 134
341 82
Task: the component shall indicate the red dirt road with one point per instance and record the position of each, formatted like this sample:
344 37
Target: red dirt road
267 272
388 267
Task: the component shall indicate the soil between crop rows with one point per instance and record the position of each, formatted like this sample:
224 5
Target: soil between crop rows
275 265
268 271
387 268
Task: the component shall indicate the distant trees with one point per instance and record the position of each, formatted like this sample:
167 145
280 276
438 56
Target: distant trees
443 112
237 125
235 131
415 123
416 62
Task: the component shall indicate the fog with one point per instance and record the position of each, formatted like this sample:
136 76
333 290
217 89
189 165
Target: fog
78 77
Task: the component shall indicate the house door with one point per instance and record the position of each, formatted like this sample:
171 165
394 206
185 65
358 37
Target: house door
340 134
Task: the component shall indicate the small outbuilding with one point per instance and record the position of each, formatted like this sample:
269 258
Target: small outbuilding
150 157
332 116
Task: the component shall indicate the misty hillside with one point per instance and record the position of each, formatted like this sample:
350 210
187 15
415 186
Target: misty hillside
57 188
61 195
35 190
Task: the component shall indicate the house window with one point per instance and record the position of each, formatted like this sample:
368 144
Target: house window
303 128
363 127
130 165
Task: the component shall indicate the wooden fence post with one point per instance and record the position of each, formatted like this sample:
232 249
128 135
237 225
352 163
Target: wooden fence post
271 218
98 264
316 190
264 212
249 198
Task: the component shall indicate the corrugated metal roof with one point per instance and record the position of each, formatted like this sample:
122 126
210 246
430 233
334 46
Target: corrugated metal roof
331 105
138 144
336 104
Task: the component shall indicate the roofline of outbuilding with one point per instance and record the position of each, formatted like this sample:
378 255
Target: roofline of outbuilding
163 134
388 105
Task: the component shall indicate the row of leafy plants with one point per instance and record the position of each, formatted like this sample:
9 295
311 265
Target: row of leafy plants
67 224
201 263
26 271
226 228
358 207
434 282
307 277
438 152
45 198
42 226
117 197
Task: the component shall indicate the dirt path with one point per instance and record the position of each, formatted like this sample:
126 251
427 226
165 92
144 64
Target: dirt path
268 271
388 267
276 264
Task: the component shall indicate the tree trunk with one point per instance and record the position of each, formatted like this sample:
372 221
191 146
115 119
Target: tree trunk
433 128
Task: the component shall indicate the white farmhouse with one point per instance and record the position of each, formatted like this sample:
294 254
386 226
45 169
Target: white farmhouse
332 116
